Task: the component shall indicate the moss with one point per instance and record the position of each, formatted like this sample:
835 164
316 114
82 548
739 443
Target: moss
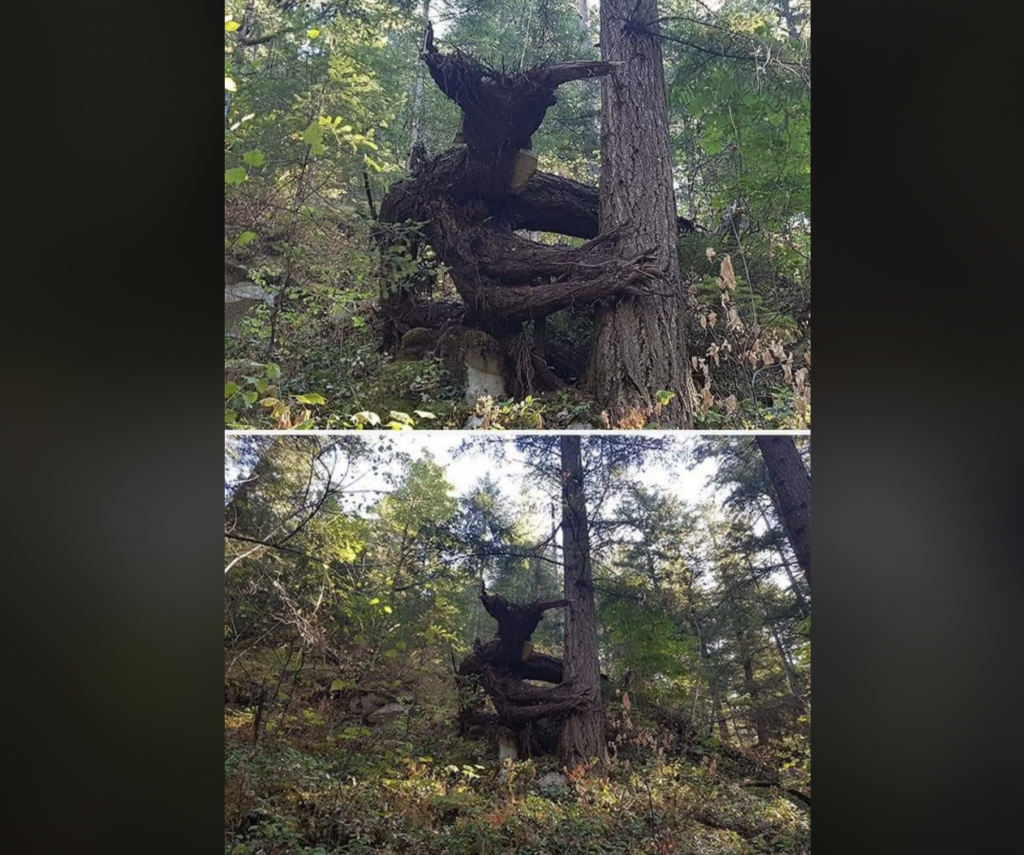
417 343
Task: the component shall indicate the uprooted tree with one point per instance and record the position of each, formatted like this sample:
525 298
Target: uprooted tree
471 200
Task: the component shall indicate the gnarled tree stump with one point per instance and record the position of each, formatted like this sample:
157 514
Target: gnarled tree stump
472 199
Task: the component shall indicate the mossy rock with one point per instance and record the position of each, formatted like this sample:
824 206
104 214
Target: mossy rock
457 341
417 343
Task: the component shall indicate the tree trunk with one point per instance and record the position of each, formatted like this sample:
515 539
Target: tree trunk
787 16
792 493
417 101
764 735
639 346
583 734
805 610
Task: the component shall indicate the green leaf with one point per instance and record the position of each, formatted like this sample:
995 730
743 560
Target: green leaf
249 397
245 238
254 158
229 84
229 417
376 167
313 136
311 398
229 390
665 396
235 176
273 370
231 26
312 33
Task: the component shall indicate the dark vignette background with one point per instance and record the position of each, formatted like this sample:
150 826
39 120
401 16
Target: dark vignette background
117 601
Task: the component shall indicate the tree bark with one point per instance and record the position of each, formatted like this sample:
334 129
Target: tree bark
583 733
792 486
417 103
764 735
639 343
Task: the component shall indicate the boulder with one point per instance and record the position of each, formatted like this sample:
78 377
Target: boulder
551 781
386 713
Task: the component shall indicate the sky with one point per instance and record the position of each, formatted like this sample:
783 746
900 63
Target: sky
465 471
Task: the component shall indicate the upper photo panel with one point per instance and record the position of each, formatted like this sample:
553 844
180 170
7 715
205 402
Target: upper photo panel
517 214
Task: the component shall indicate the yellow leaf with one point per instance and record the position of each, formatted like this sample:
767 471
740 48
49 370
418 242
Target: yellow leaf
229 84
231 26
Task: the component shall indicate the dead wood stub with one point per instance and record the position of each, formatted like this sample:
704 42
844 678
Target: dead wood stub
501 666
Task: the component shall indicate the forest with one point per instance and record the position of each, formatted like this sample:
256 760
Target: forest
519 214
480 643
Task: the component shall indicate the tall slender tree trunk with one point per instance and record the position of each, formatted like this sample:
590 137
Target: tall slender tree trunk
716 700
417 97
786 14
805 610
583 733
639 346
792 486
750 685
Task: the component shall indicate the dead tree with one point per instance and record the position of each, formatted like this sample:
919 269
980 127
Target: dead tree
501 666
473 197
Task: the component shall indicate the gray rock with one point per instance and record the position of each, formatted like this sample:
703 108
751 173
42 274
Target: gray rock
551 781
483 377
367 702
386 713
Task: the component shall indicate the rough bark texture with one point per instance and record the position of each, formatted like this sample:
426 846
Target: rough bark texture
792 486
500 666
639 342
583 733
472 199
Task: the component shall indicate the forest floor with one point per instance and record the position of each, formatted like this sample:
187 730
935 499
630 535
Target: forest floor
319 780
